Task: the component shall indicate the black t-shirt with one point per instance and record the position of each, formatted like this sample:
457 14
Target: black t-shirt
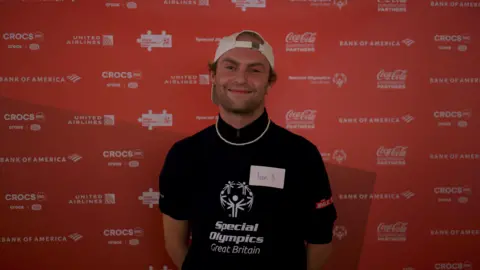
252 206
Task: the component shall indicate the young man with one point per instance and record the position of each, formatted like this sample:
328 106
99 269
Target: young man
253 194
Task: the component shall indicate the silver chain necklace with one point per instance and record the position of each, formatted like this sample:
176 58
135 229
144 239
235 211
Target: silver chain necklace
242 144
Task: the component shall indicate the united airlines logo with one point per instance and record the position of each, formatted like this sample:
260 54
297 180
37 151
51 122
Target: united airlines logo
91 40
235 197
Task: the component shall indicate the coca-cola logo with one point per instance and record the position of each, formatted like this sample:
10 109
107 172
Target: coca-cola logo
396 75
307 37
398 151
399 227
307 115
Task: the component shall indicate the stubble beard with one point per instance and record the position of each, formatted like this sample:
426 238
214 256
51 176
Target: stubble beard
247 107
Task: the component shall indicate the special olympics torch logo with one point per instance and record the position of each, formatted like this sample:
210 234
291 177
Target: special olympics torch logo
339 79
339 155
340 3
340 232
236 196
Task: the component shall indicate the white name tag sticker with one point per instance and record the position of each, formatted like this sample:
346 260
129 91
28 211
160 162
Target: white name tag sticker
267 176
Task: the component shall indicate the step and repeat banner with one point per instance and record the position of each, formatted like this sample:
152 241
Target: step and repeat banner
94 93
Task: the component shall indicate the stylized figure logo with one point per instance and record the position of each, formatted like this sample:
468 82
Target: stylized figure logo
339 79
340 232
340 3
236 197
339 155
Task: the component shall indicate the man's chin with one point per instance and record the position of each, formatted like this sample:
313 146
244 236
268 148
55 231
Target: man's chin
243 111
239 109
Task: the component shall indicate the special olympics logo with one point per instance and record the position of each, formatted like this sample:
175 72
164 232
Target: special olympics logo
236 196
339 79
340 232
339 155
340 3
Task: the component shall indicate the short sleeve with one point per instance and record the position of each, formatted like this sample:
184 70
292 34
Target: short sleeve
321 212
175 198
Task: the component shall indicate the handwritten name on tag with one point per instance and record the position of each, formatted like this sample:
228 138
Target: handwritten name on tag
267 176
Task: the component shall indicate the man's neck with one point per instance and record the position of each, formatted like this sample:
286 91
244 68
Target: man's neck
239 121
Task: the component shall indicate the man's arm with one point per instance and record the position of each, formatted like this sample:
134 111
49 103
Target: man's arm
317 255
174 202
321 211
176 239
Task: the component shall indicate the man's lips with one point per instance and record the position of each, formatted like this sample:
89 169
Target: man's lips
239 91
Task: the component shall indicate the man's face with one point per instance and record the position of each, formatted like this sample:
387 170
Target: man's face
241 79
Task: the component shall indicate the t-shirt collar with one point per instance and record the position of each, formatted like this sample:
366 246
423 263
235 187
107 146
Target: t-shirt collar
245 134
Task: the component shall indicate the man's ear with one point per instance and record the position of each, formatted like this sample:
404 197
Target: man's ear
267 89
212 76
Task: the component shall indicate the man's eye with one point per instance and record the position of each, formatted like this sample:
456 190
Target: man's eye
229 67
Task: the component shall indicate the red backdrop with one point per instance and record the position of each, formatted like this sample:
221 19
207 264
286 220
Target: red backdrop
93 94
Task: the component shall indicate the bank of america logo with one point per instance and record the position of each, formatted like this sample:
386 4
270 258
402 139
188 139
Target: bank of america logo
75 157
75 236
408 194
408 118
74 78
408 42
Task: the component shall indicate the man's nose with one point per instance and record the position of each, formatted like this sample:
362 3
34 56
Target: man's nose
240 76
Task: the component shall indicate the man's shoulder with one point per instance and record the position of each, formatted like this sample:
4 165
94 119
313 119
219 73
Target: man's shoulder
291 139
194 140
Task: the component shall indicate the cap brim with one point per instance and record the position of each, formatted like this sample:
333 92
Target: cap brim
229 42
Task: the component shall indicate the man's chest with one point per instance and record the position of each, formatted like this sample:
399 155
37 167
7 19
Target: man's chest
245 185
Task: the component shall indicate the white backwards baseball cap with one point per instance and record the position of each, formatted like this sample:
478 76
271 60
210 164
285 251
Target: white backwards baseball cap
229 42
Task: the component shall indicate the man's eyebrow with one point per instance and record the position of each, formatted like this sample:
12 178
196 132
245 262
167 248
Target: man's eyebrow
230 60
